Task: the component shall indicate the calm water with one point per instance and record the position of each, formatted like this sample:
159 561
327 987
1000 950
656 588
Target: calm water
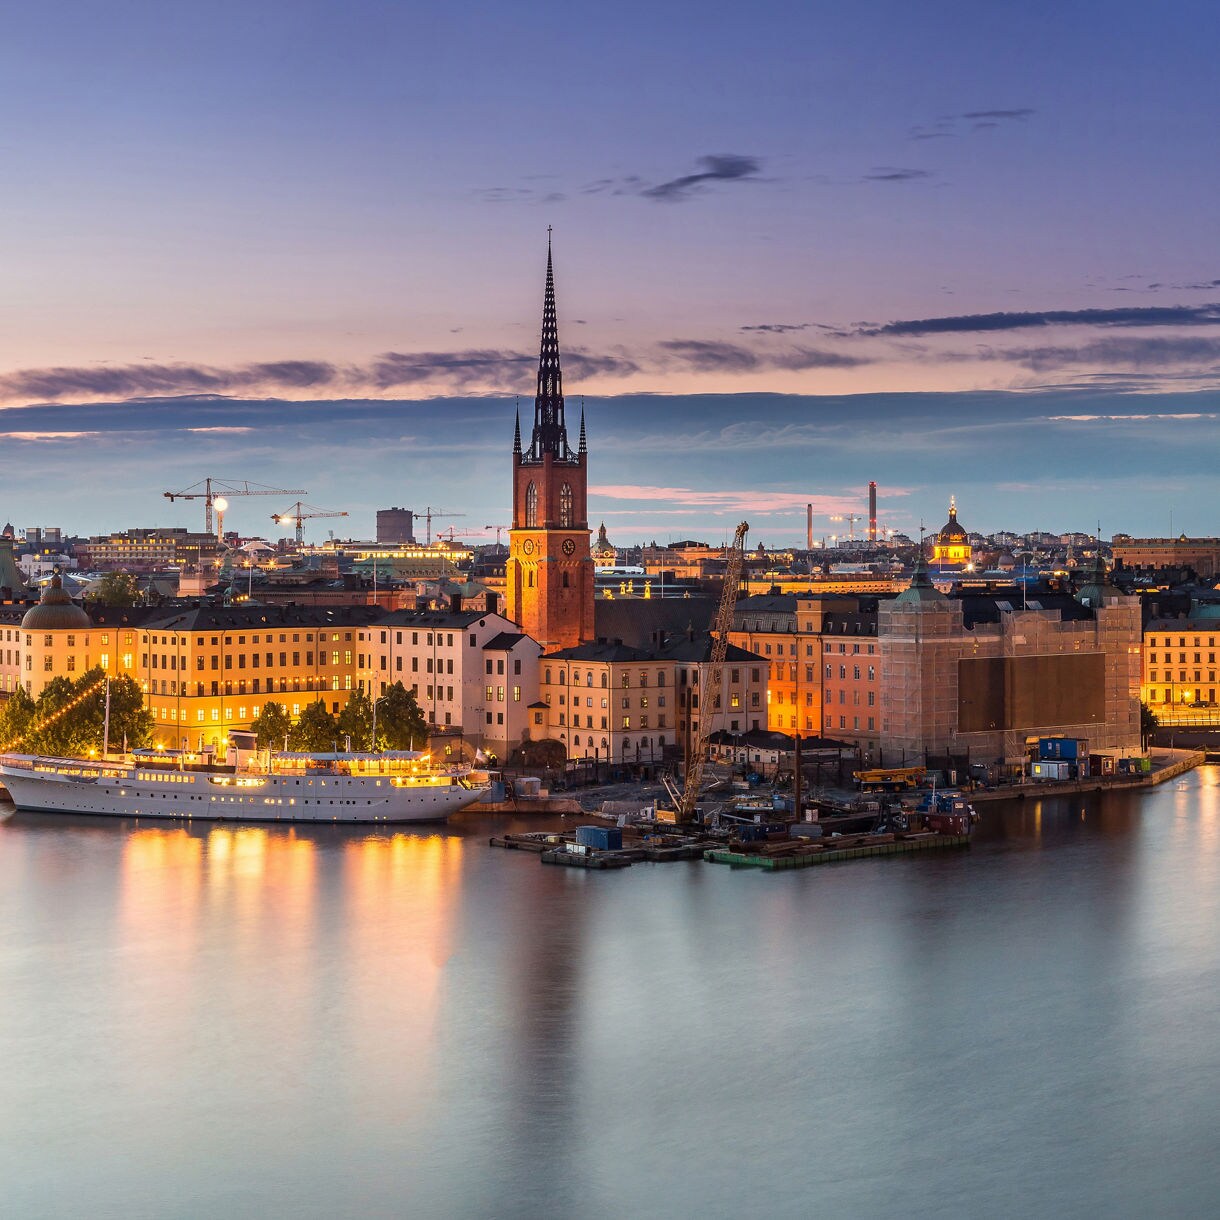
257 1023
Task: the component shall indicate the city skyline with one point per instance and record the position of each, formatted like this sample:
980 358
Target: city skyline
949 250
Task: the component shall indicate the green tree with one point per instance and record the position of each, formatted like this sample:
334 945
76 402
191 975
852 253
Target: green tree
400 722
116 589
272 725
16 715
59 726
1149 723
356 721
314 730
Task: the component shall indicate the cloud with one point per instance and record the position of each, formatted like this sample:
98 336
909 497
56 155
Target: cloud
890 173
134 380
717 167
1153 315
1132 353
46 436
716 356
753 500
776 328
1020 114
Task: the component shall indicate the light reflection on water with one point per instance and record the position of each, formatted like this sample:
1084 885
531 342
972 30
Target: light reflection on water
323 1021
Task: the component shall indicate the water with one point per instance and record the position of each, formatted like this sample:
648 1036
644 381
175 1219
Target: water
257 1023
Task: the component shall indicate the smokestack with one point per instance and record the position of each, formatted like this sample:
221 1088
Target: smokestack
809 527
872 512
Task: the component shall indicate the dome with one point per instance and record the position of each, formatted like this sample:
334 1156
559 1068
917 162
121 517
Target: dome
951 530
921 589
56 611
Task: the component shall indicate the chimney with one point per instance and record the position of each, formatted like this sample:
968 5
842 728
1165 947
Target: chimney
455 603
872 511
489 602
809 527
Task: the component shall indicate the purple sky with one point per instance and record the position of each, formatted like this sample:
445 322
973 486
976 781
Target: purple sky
324 201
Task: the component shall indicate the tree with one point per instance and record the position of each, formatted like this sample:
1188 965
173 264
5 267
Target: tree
272 725
356 721
59 726
116 589
15 719
314 730
400 723
1149 723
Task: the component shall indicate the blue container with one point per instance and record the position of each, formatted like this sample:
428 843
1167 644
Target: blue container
1065 748
600 838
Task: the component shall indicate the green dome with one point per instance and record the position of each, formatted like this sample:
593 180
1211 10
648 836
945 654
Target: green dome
56 611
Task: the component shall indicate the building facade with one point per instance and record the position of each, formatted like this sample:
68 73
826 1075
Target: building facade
549 573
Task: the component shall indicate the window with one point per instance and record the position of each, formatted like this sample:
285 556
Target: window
531 507
565 506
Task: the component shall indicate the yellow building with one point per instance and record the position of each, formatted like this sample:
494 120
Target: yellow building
1179 679
952 546
205 670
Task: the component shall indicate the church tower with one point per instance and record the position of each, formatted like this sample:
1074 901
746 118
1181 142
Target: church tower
550 569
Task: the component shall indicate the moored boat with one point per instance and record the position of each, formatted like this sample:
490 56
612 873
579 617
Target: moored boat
249 786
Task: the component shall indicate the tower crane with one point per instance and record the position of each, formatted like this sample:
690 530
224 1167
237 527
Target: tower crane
431 512
851 519
714 673
214 493
498 529
297 514
452 532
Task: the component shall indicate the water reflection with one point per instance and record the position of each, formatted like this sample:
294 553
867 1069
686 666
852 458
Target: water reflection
324 1021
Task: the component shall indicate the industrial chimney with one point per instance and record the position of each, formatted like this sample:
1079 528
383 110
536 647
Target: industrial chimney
872 512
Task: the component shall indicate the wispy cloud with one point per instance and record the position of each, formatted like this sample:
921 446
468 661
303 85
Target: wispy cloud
892 173
716 356
1155 353
775 328
744 500
717 167
1153 315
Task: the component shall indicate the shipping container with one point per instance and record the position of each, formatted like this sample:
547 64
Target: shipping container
1066 748
600 838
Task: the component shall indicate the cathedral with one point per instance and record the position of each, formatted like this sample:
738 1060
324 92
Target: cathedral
550 567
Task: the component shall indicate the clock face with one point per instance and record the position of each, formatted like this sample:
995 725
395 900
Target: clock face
528 546
569 547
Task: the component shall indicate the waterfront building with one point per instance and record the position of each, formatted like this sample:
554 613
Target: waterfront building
611 701
549 574
472 671
977 676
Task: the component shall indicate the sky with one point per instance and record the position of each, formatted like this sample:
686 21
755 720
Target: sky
957 248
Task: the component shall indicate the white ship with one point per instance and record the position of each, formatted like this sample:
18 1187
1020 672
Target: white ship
390 787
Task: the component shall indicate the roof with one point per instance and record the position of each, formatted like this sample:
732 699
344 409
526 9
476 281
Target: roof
56 611
506 641
699 650
602 651
202 617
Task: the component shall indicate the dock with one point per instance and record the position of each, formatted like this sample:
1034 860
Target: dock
817 852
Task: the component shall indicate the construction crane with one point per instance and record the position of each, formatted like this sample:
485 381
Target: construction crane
298 514
712 676
498 529
215 493
451 533
431 512
851 519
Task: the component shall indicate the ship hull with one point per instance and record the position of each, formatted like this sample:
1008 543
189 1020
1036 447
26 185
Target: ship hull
198 796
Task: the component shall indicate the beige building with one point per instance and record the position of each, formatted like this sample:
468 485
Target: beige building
980 677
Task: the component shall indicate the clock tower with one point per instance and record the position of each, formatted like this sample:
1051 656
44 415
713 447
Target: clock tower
550 568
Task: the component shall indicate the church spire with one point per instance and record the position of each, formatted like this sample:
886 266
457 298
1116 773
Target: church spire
517 432
583 447
550 430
